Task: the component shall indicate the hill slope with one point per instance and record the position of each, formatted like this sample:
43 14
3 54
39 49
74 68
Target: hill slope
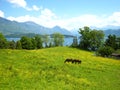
45 70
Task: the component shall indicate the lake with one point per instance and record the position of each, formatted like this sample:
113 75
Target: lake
67 41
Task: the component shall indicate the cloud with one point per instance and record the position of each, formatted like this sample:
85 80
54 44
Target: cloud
46 18
1 13
35 8
18 3
114 19
23 4
21 18
91 20
80 21
47 14
50 19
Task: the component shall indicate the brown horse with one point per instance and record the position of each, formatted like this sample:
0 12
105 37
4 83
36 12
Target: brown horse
73 61
68 60
76 61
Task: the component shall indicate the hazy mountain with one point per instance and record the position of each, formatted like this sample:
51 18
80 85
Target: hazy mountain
108 30
106 27
110 27
59 29
10 27
112 31
13 27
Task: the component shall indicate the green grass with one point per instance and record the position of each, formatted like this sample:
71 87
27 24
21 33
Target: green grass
45 69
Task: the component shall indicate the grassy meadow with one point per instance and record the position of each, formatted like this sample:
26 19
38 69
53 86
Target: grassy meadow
45 69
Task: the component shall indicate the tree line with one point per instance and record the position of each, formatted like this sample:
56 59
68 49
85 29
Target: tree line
29 43
90 39
94 40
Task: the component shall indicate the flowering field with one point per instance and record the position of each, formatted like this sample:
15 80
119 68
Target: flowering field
45 69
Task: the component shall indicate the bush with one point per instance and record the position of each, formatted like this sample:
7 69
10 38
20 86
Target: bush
3 41
105 51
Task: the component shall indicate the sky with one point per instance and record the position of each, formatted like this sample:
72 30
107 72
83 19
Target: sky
68 14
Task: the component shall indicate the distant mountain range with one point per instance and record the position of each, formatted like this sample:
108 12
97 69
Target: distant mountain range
111 27
107 30
112 31
8 27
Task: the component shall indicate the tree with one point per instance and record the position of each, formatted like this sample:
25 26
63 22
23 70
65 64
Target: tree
75 42
96 39
85 38
58 39
105 51
111 41
12 44
38 41
46 40
118 42
90 39
34 43
18 45
3 41
26 43
50 44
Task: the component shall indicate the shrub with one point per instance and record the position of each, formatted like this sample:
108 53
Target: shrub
3 41
105 51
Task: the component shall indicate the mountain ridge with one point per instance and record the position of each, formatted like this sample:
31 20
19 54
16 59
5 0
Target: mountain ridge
107 31
8 27
13 27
